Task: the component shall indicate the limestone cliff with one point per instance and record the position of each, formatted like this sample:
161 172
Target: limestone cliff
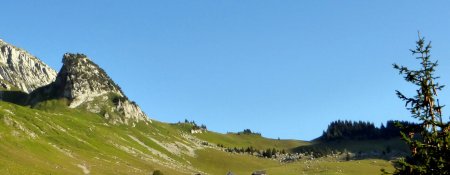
82 80
22 70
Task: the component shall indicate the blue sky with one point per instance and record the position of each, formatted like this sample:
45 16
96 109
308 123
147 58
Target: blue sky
282 68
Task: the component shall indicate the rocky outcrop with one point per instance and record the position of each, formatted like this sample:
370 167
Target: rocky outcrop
82 80
86 85
22 70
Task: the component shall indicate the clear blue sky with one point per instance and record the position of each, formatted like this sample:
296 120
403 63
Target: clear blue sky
282 68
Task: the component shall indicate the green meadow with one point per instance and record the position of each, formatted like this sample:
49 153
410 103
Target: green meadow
53 139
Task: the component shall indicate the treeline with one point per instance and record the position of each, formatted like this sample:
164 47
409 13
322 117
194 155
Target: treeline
360 130
268 153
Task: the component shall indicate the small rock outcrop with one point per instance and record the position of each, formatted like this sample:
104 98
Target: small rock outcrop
22 70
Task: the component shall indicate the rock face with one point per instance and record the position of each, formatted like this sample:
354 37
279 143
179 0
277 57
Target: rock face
22 70
82 80
86 85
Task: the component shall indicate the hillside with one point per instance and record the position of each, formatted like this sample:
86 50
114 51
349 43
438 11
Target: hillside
55 139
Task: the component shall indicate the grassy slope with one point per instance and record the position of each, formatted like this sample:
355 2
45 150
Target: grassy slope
243 140
393 146
220 163
328 167
57 140
64 140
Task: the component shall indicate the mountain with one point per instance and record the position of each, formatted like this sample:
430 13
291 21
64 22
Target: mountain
85 85
79 121
21 70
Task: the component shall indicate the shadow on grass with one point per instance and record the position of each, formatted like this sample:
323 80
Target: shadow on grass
42 98
16 97
387 149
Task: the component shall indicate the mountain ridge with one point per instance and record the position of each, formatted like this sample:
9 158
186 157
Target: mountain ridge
21 70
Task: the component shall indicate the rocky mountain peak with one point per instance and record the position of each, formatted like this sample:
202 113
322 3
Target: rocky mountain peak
81 79
86 85
22 70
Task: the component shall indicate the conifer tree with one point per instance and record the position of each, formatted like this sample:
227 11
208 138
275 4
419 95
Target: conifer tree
428 141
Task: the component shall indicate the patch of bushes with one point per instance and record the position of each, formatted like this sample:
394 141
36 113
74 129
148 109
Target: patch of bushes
157 172
248 132
268 153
